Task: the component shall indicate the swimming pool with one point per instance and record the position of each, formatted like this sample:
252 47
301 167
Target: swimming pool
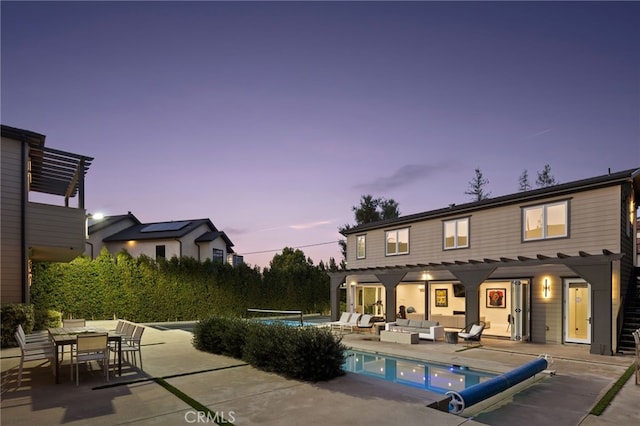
434 377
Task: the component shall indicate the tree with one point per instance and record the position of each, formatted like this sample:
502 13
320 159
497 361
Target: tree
545 178
370 210
477 185
524 181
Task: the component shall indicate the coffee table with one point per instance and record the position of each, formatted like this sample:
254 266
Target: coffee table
399 337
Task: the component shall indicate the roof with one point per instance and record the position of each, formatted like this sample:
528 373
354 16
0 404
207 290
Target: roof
97 225
214 235
160 230
52 171
536 194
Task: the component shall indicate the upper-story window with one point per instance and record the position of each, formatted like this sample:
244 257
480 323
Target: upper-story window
456 233
397 241
545 221
218 255
161 252
361 246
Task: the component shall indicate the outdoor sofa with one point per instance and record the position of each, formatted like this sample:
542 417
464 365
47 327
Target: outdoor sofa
426 329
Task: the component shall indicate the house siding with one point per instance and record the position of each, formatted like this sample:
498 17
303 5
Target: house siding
12 275
496 232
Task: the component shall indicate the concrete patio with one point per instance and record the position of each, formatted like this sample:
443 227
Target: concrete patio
243 395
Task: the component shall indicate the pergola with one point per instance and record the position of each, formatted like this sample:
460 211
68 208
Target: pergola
594 268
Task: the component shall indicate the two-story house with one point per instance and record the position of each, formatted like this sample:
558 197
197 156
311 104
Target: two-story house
555 264
196 238
42 212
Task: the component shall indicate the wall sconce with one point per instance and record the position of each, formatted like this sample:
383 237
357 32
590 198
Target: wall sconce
546 288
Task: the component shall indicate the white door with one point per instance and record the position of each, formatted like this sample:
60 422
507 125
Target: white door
577 325
519 316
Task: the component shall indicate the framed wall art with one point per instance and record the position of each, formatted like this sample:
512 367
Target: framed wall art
496 298
442 298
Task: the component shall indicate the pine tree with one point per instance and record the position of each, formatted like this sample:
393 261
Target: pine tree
524 181
477 185
545 178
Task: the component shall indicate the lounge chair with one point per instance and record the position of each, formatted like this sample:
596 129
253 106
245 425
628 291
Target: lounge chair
344 319
472 332
352 323
365 322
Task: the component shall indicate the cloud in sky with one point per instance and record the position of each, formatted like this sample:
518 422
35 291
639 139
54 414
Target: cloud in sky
310 225
542 132
298 226
405 175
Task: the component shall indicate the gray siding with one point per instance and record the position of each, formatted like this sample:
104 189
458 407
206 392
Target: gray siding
594 224
11 282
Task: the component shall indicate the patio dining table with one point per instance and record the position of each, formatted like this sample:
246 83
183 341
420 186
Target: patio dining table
69 336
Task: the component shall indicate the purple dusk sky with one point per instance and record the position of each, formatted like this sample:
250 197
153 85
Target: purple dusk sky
272 119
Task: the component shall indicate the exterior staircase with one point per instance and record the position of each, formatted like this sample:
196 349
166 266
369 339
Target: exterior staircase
626 343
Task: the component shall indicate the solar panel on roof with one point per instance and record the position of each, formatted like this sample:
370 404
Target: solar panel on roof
165 226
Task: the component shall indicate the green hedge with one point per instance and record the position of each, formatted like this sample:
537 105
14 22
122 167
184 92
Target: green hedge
304 353
143 290
31 319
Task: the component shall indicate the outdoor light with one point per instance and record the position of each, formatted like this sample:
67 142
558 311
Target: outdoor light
546 288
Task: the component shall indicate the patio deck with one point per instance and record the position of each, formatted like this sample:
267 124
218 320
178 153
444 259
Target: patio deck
228 387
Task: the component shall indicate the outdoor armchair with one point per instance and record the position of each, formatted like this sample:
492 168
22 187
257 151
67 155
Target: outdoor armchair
472 332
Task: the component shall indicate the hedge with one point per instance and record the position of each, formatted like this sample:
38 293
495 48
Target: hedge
304 353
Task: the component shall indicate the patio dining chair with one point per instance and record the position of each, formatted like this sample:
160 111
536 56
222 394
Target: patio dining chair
472 332
133 346
90 347
33 352
72 323
37 337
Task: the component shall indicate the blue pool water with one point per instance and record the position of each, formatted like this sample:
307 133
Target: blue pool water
289 323
439 378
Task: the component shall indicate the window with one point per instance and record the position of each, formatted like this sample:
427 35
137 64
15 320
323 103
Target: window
361 246
545 221
456 233
397 242
218 255
161 252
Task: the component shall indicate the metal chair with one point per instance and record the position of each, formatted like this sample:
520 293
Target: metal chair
71 323
91 347
133 345
33 352
472 332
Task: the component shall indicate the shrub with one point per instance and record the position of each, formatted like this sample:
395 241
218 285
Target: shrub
10 316
304 353
46 318
221 335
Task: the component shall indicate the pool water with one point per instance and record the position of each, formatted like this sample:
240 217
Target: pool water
290 323
434 377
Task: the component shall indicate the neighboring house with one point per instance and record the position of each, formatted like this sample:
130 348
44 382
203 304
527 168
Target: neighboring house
554 265
33 229
196 238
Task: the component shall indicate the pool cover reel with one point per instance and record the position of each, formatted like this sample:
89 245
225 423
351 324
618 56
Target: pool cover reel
476 393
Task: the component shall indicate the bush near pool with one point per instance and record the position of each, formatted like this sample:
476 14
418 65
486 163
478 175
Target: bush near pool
304 353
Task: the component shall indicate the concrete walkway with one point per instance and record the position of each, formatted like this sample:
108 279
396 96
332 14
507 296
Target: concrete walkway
243 395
